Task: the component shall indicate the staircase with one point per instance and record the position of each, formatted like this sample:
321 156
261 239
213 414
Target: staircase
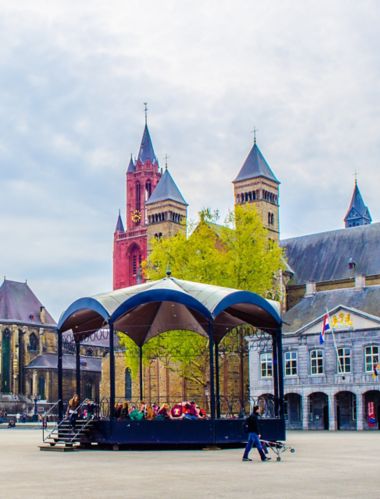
63 437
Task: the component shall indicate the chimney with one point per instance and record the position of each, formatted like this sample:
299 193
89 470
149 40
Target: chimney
311 288
42 314
359 281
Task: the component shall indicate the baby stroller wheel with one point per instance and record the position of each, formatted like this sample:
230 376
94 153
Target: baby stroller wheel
292 451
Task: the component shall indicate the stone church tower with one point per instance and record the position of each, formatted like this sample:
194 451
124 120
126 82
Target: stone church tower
155 208
257 184
358 213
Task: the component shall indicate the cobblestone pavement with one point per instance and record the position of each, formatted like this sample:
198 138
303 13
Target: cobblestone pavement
325 464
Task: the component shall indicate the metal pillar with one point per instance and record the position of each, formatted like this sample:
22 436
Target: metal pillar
77 365
280 373
112 369
211 355
275 373
141 372
60 377
217 387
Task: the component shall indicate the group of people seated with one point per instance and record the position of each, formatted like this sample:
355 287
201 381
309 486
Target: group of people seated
180 410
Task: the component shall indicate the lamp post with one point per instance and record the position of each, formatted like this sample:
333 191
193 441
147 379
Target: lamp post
35 414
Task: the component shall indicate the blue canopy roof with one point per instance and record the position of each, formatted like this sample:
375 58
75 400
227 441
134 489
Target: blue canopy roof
255 166
358 213
146 310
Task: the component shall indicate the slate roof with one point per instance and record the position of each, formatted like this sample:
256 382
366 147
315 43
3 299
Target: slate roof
18 303
310 307
131 167
358 213
146 151
50 361
119 224
255 166
166 189
325 256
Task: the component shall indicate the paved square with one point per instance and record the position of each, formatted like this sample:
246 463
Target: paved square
326 464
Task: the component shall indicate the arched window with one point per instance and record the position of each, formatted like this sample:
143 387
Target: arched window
41 387
128 383
89 352
138 196
88 390
148 189
33 343
6 362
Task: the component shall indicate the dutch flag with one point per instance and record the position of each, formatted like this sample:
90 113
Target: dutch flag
325 327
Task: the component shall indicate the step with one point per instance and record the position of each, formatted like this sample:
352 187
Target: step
57 448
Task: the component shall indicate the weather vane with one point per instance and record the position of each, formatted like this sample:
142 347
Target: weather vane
146 112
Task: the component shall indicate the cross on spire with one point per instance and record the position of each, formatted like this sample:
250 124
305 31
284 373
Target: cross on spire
356 176
146 112
254 134
166 161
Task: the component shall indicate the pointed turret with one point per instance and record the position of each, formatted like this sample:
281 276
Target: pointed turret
119 224
166 190
166 209
358 213
255 166
257 184
146 152
131 167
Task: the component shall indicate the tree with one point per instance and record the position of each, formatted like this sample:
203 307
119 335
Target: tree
238 254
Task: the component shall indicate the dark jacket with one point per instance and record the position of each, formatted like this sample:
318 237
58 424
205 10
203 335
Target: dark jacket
253 424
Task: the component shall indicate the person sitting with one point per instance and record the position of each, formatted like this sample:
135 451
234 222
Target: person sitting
177 411
191 411
149 414
118 408
124 414
163 412
73 409
135 414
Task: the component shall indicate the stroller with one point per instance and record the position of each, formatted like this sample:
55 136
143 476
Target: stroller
276 447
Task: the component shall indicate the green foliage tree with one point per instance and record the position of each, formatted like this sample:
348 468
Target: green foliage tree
238 254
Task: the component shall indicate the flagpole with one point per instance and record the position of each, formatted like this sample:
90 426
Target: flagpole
335 346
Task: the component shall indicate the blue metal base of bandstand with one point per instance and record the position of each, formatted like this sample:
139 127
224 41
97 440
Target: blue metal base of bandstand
179 434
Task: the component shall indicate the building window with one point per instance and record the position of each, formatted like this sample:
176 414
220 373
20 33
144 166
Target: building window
344 360
291 364
371 358
33 343
316 362
138 196
41 388
128 383
266 365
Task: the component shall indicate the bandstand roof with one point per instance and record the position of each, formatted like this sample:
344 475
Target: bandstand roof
147 310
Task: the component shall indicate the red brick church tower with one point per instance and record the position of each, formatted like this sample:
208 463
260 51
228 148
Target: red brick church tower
131 245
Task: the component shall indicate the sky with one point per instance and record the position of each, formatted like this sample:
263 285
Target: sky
73 80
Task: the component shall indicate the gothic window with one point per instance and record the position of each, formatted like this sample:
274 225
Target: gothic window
148 189
371 358
344 360
316 362
134 264
6 362
88 390
291 363
89 352
33 343
138 196
266 365
41 388
128 383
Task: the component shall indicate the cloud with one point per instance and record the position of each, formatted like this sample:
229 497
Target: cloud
304 73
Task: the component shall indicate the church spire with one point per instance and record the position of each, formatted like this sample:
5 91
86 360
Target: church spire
146 152
358 213
119 224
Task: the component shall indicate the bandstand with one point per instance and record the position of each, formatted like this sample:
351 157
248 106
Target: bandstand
147 310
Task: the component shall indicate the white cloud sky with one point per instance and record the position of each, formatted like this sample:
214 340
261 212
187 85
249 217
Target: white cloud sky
74 76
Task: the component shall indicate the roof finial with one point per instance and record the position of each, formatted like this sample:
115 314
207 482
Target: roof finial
254 134
356 177
146 112
166 161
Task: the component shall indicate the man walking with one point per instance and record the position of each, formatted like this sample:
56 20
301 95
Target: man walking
253 425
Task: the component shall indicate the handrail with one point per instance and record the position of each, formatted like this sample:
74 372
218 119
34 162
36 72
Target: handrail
57 426
82 428
45 415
